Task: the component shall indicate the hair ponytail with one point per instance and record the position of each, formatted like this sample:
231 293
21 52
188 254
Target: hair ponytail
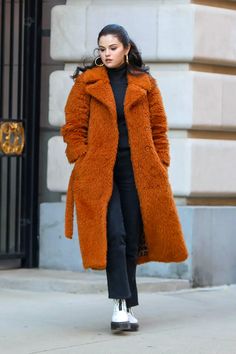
135 65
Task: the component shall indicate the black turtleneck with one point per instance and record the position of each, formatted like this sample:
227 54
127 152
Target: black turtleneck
118 81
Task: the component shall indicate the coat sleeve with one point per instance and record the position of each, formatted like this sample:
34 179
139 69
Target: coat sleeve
75 130
159 123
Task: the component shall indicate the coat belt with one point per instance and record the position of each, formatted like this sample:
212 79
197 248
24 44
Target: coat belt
69 212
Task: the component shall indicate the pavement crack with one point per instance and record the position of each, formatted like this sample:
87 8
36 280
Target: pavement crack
72 346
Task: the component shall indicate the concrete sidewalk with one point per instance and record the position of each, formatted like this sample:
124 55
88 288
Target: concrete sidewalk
183 322
38 279
196 321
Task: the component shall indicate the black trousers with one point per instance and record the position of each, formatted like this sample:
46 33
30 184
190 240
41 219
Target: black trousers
124 225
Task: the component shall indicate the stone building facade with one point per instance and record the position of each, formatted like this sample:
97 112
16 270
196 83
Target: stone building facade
190 47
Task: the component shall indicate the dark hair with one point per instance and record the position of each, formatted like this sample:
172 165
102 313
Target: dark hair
135 65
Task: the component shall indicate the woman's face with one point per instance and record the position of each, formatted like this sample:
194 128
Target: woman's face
112 51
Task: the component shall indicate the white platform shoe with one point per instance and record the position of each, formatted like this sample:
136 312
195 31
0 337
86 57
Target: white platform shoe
120 320
134 325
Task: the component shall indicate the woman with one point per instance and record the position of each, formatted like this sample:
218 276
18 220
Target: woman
116 133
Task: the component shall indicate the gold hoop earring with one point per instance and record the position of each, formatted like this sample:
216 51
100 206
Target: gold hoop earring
127 58
96 61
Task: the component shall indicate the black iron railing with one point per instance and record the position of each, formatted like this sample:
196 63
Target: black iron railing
20 41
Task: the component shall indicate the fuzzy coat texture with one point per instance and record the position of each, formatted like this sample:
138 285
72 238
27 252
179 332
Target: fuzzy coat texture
91 134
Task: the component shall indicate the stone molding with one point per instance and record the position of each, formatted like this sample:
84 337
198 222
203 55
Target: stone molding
206 165
199 33
193 100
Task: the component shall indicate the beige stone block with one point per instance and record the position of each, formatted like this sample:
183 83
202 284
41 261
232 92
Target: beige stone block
177 93
199 167
176 89
192 100
202 167
79 26
60 84
58 168
229 102
195 100
207 101
180 166
215 35
140 22
213 167
68 33
163 31
175 33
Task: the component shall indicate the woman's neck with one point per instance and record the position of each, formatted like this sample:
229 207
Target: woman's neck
120 67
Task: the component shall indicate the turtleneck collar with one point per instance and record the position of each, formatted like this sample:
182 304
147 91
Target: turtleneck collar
119 68
118 74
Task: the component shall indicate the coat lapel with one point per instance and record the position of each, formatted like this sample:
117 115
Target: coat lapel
137 89
98 86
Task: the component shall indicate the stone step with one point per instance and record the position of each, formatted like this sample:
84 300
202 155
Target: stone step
38 279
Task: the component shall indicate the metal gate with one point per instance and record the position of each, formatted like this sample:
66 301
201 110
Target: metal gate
20 41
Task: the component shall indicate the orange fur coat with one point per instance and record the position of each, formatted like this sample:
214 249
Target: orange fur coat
91 134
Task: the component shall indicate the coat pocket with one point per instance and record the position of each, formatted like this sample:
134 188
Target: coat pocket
79 162
162 166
